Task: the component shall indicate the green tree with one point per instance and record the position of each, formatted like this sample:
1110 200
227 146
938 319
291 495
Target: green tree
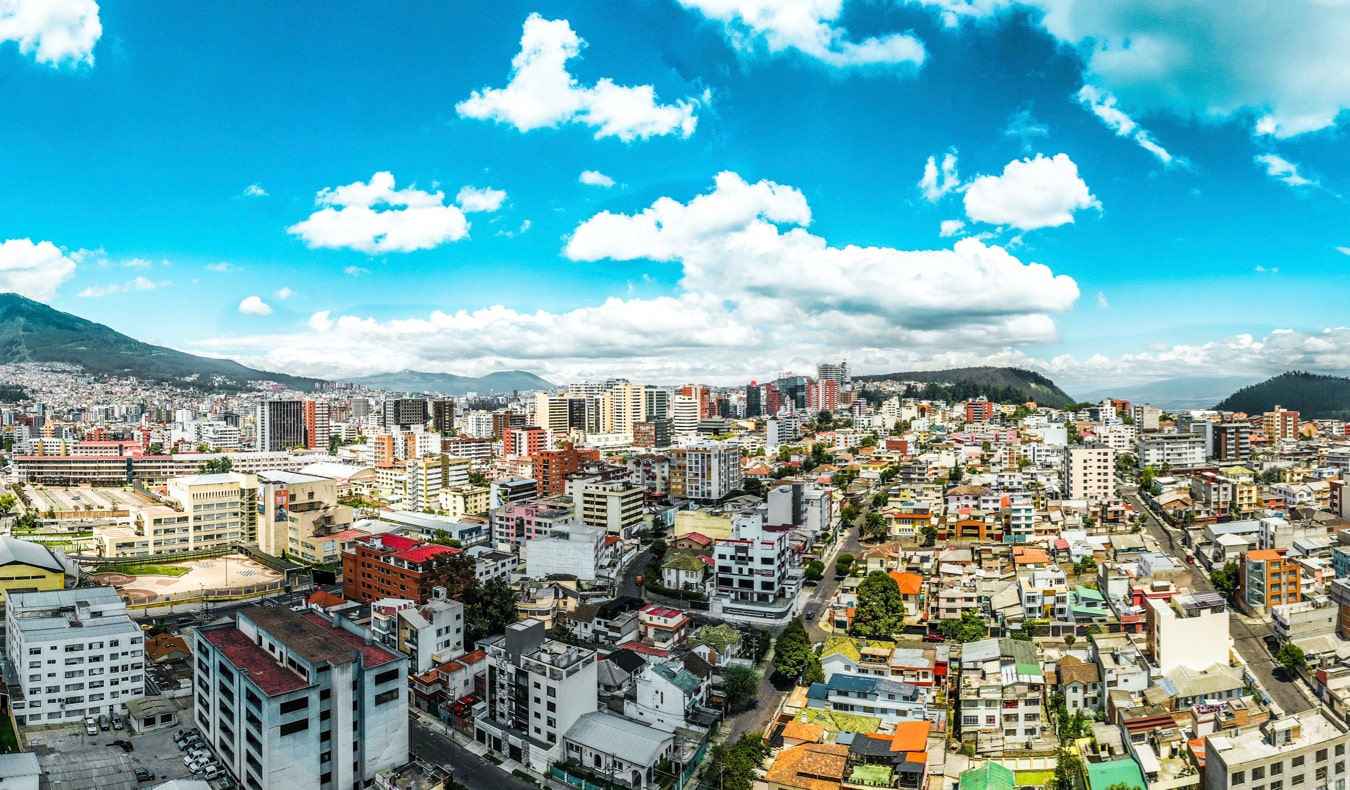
969 628
1068 768
880 610
155 449
7 503
1291 657
954 476
217 465
733 764
929 534
848 513
814 672
1225 579
490 608
874 526
815 569
753 486
658 549
478 479
791 648
741 684
843 564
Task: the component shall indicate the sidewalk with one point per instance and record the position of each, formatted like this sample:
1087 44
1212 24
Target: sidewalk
481 751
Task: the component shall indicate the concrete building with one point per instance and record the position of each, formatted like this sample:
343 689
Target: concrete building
281 425
74 653
428 475
300 700
393 566
1188 629
1267 578
707 471
536 690
1228 442
573 551
1280 424
28 567
299 516
430 634
613 507
1089 472
1175 450
1305 750
465 500
204 513
1305 621
612 746
753 565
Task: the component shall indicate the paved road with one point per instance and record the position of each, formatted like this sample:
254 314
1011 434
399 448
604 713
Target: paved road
1248 633
628 583
470 770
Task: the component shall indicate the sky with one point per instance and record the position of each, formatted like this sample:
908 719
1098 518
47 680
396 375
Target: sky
1107 191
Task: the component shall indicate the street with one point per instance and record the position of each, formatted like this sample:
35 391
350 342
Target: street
469 769
1248 633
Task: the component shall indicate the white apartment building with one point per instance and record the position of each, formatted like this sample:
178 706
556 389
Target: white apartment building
704 471
536 690
1306 750
753 564
75 653
1188 630
426 476
1176 450
684 415
430 634
805 507
1045 595
1089 472
615 507
300 700
574 550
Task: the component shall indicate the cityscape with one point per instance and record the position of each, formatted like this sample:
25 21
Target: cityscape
674 395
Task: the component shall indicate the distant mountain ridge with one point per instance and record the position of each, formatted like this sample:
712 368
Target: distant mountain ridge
1313 396
34 332
450 384
1004 385
1186 392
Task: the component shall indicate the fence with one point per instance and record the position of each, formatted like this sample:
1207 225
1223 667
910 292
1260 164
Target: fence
215 595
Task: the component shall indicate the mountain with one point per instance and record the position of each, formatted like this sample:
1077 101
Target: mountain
1313 396
1004 385
1187 392
450 384
33 332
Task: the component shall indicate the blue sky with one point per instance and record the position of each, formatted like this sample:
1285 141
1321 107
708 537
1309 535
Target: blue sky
673 190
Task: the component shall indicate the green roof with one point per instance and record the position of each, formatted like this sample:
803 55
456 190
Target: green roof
685 680
1122 771
840 722
720 636
990 776
683 561
875 775
1087 593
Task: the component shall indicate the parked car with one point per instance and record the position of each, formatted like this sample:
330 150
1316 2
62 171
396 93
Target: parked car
810 615
124 745
934 637
196 763
144 775
104 723
212 772
90 728
117 722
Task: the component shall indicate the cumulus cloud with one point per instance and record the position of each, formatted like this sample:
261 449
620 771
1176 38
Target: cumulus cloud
543 94
808 27
355 271
375 218
937 182
754 281
254 190
1343 250
136 284
951 227
1103 105
284 293
33 270
1281 169
254 305
595 178
473 199
1031 193
54 32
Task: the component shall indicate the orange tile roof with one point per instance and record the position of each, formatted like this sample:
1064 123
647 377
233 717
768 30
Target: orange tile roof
325 599
801 731
909 583
911 736
808 766
1265 554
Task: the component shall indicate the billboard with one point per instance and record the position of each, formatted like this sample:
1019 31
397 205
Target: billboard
281 505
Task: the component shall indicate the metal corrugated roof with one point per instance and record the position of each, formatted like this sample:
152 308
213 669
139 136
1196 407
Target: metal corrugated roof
627 740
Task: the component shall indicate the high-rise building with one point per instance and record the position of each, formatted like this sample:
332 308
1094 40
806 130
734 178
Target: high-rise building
628 405
300 517
504 420
701 396
281 425
685 415
655 404
773 400
651 433
300 700
706 471
427 475
838 373
443 416
1089 472
1228 442
405 413
979 411
317 425
1280 424
522 442
754 401
551 467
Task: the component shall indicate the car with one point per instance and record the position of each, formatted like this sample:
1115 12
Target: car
195 763
117 723
934 637
212 772
104 723
145 775
90 728
125 746
810 614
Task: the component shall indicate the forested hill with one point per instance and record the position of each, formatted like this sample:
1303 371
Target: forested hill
1313 396
1001 385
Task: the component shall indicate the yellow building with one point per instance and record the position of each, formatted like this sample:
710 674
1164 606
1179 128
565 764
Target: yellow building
26 567
464 500
705 522
201 513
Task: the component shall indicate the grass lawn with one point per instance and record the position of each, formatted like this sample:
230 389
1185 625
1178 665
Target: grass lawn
9 740
1033 778
144 570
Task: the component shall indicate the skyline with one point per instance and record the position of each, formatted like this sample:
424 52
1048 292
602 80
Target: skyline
710 190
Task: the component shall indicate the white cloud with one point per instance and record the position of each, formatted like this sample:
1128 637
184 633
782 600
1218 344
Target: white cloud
223 267
935 183
135 284
254 190
1102 301
1024 126
1343 250
807 26
1031 193
1281 169
754 283
1263 270
355 271
951 227
1103 105
54 32
254 305
138 263
33 270
543 94
596 179
375 218
473 199
284 293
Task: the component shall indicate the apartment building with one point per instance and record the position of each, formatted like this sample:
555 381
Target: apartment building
753 564
615 507
1089 472
430 634
515 523
202 513
1000 693
394 566
1280 424
537 688
1172 451
1189 629
300 700
704 472
426 476
74 653
1044 594
1229 441
465 500
1266 578
551 468
299 516
1304 750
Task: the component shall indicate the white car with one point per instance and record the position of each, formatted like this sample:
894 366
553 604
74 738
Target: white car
90 726
197 763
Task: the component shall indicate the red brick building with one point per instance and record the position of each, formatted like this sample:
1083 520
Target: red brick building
392 566
551 467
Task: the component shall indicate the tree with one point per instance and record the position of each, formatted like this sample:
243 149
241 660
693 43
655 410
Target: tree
734 764
217 465
478 479
753 486
843 564
874 526
1291 657
741 684
929 534
814 672
658 549
1069 639
490 608
1067 769
1225 579
969 628
815 569
880 610
954 476
155 449
791 648
848 513
882 499
7 503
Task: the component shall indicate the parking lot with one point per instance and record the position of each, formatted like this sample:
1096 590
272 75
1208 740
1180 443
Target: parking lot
153 750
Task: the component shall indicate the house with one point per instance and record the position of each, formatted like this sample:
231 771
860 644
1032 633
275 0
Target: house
615 749
1081 684
668 696
615 677
911 592
163 648
903 753
662 626
890 701
811 766
716 644
683 570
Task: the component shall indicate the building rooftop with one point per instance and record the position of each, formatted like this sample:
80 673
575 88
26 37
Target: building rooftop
22 552
1112 772
269 676
372 655
629 741
1256 743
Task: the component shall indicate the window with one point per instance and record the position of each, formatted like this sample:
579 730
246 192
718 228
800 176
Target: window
385 677
1258 773
294 727
1276 769
294 705
386 696
1340 749
1296 762
1321 755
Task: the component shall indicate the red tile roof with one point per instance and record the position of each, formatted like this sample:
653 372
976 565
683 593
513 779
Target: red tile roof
325 599
372 655
392 542
424 553
272 678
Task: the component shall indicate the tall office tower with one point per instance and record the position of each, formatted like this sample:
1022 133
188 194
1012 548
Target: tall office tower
443 416
405 413
317 425
628 405
686 414
773 400
754 400
281 425
655 404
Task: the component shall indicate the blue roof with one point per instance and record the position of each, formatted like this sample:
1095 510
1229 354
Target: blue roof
844 682
818 691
